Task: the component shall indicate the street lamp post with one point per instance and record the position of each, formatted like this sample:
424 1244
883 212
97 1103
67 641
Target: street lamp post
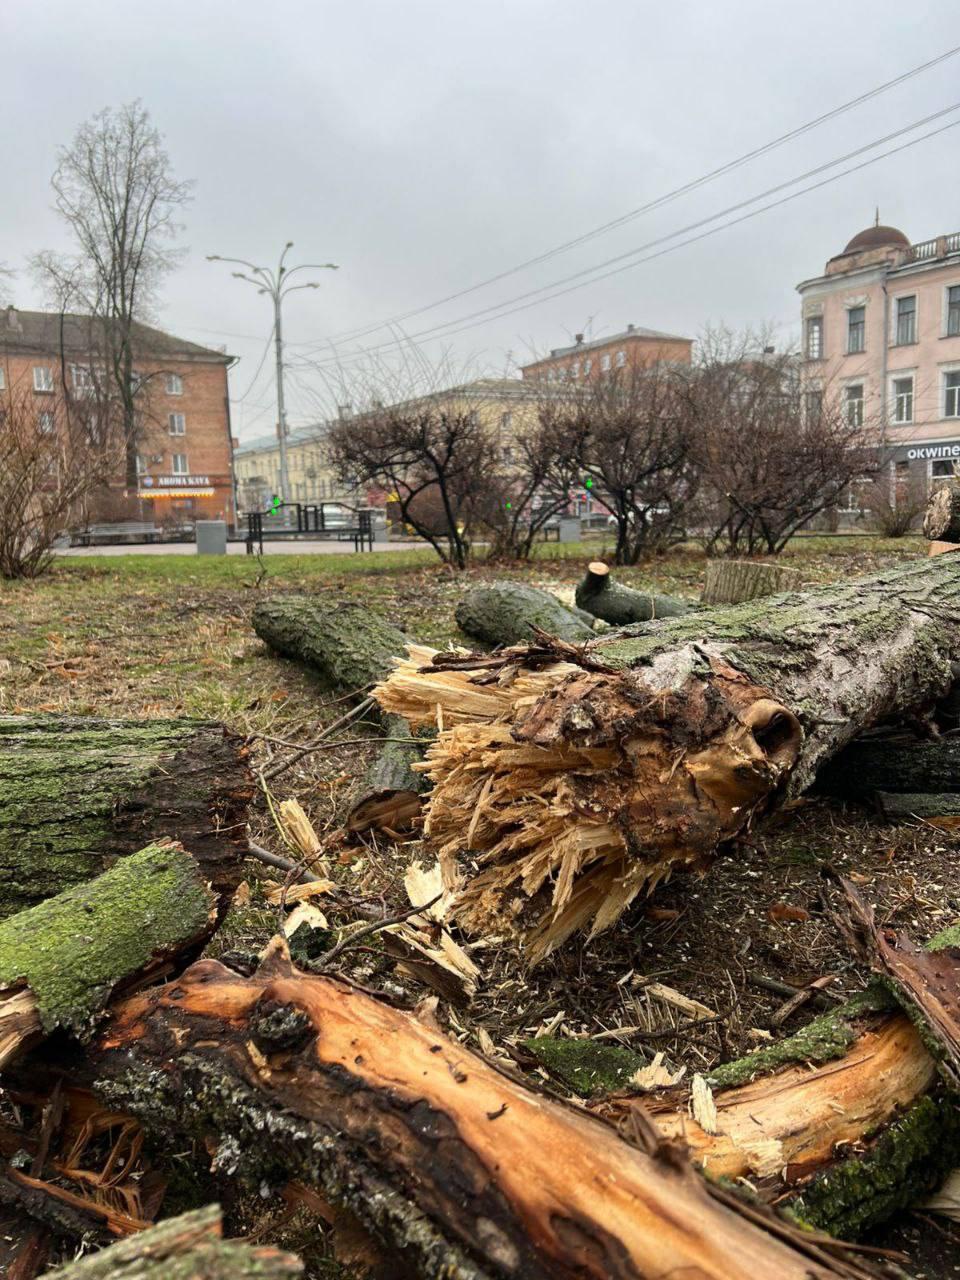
274 283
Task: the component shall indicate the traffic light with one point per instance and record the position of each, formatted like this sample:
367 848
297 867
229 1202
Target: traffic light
275 504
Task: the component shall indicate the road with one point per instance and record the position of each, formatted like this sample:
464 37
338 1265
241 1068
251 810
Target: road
292 546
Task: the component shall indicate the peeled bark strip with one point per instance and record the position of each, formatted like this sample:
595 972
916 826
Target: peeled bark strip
351 648
578 783
61 961
77 793
509 612
941 523
465 1172
188 1247
734 581
620 605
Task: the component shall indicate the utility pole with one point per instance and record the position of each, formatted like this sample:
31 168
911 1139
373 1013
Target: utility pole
274 284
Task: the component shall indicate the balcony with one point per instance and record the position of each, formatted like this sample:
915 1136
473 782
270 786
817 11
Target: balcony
939 247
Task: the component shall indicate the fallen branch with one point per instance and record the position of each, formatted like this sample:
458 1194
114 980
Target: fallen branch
619 605
499 613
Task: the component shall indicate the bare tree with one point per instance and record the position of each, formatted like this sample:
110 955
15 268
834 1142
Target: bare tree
628 433
51 461
116 192
895 502
772 452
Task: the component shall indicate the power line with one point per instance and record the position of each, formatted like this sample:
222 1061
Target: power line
619 263
667 198
266 348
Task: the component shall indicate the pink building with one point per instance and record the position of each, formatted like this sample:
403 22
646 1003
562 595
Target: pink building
881 329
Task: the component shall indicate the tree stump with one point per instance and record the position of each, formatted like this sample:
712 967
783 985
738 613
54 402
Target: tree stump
733 581
941 523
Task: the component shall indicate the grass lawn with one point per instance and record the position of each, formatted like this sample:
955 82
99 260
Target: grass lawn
161 636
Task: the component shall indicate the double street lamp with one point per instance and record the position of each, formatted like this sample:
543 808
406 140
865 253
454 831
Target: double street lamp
275 284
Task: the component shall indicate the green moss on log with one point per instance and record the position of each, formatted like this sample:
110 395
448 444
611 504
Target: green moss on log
74 950
506 613
77 793
586 1067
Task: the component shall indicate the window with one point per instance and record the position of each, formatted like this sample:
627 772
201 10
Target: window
141 465
856 325
177 424
82 378
179 464
174 384
587 366
506 454
45 423
3 381
855 405
854 500
942 471
903 399
605 363
813 405
953 311
575 369
506 421
42 378
621 359
951 396
906 320
814 343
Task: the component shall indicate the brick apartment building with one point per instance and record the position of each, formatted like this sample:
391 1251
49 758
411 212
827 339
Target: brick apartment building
184 447
634 348
881 330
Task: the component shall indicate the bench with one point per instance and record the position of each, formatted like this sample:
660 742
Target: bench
122 532
313 522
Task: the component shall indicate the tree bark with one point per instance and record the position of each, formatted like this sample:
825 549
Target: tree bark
188 1247
892 764
599 595
61 961
908 805
465 1172
507 613
941 522
595 773
734 581
78 793
351 648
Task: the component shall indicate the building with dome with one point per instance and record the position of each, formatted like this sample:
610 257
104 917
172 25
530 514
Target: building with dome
881 330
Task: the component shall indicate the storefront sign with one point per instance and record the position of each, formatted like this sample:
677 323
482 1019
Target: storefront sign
939 451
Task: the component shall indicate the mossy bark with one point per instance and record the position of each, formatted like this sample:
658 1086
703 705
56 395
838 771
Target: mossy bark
78 793
65 958
600 596
188 1247
501 613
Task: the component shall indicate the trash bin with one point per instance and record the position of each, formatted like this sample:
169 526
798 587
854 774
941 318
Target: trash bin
211 537
569 529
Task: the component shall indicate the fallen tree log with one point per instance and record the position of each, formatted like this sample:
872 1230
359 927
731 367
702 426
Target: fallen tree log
898 763
599 595
591 773
941 521
734 581
188 1247
465 1172
351 648
500 613
78 793
896 806
63 960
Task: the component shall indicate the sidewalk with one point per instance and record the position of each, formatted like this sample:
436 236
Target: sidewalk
291 547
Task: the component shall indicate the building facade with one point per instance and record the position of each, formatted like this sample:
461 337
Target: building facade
634 348
881 331
312 480
183 442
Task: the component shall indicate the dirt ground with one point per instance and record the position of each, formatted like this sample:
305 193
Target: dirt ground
170 636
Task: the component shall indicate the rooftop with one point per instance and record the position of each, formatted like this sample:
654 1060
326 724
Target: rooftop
631 331
77 334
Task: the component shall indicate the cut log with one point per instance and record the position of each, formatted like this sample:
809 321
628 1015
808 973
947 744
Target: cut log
466 1173
734 581
910 805
61 961
352 648
78 793
508 612
892 764
189 1247
941 522
620 605
592 773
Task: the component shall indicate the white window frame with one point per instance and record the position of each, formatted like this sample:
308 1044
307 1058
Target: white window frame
809 323
857 351
3 378
902 376
605 362
950 392
575 369
174 384
177 424
946 311
933 480
587 366
895 318
43 379
81 376
46 423
621 359
179 471
807 393
848 401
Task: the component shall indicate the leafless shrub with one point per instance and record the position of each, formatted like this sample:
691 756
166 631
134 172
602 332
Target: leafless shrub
895 503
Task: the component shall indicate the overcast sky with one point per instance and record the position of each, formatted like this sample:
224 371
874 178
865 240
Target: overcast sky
427 145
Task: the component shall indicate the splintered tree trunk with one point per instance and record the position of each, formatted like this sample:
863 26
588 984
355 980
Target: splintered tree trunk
619 605
508 612
61 961
189 1247
941 523
592 774
734 581
465 1172
78 793
352 648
